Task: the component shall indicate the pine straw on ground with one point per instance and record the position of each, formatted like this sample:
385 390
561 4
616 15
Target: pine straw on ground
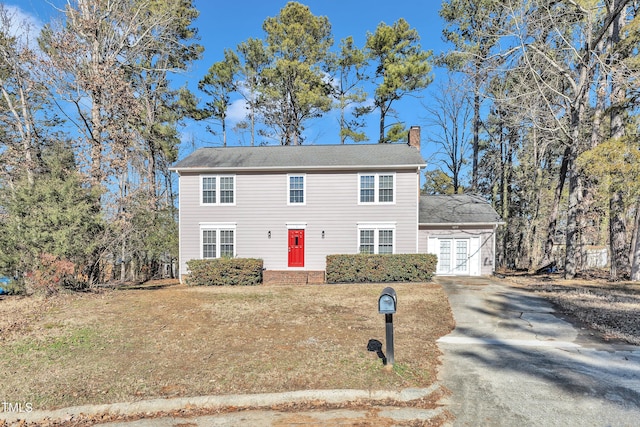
611 308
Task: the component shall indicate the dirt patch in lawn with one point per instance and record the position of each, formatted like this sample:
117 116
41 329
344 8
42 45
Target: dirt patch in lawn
168 341
610 308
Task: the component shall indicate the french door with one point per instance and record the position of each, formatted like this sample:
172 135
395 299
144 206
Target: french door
453 256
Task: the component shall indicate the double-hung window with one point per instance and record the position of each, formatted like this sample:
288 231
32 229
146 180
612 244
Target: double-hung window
209 246
385 188
367 242
367 188
376 238
385 241
227 189
227 246
296 186
218 240
209 190
376 188
218 190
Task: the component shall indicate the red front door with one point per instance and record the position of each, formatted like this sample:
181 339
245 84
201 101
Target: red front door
296 248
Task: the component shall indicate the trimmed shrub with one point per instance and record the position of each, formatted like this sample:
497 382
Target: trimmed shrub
225 271
380 268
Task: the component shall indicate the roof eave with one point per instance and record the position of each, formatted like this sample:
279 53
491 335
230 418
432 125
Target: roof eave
460 224
289 168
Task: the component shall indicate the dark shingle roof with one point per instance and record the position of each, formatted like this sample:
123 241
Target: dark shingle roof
456 209
302 156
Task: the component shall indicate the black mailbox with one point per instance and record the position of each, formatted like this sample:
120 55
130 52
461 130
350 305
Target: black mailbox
387 301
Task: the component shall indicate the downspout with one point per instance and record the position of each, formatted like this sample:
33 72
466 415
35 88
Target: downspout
493 238
180 226
418 211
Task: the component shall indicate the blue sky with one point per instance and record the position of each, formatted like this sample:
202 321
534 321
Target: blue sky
225 24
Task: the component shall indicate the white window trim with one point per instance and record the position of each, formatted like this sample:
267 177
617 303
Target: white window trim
376 187
218 190
201 193
376 227
304 189
359 186
473 257
217 227
296 225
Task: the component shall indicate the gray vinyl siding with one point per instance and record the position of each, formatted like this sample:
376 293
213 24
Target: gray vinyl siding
486 234
331 205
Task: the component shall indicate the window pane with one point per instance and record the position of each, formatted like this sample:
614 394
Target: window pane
226 243
208 190
385 242
385 192
296 189
208 243
226 189
366 242
461 256
367 188
444 261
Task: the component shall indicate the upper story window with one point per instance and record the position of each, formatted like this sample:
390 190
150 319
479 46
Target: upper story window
385 188
208 190
296 189
218 190
376 188
367 188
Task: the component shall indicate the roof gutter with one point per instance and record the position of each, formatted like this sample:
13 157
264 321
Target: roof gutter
459 224
290 168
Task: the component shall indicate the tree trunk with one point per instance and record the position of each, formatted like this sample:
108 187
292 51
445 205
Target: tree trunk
572 232
224 132
123 264
343 137
635 253
381 126
506 149
534 241
95 140
555 208
476 131
253 126
617 223
617 236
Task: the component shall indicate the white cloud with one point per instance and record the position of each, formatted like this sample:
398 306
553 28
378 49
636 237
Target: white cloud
237 111
22 25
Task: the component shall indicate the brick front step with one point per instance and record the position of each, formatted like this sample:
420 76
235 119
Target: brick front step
288 277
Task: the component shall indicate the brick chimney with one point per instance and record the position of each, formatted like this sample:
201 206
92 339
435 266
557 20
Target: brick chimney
414 137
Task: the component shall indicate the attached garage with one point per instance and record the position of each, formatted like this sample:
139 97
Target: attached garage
460 230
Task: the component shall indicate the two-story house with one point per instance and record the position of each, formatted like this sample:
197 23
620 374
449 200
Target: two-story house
293 205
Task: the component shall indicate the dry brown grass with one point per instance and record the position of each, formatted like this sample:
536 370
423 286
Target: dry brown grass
611 308
135 344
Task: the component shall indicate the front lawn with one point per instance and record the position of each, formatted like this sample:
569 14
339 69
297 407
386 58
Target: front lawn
168 341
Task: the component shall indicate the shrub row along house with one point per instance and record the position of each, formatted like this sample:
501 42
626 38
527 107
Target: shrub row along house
293 205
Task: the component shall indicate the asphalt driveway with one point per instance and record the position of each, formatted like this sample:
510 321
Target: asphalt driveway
512 360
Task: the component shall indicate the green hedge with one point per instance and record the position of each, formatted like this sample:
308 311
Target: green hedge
225 271
380 268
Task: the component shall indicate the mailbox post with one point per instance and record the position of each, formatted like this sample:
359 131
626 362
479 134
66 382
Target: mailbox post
387 303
